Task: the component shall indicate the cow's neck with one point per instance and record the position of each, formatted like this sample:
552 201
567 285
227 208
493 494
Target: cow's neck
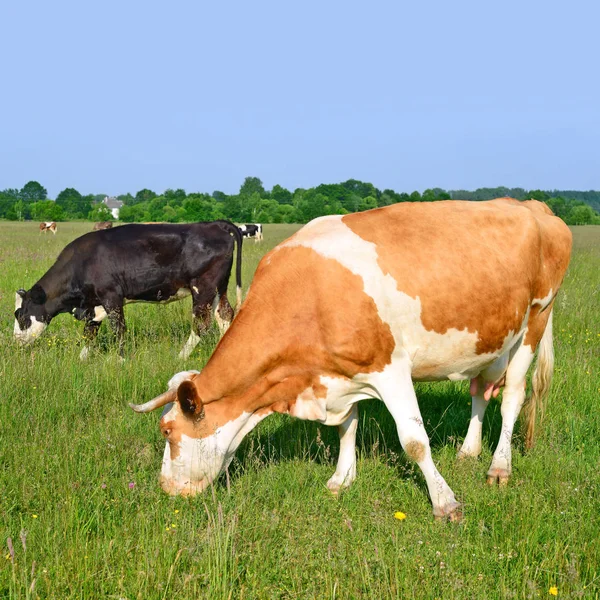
57 288
257 370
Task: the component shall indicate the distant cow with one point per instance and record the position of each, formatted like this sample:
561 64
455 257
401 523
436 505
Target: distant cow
96 274
102 225
252 230
359 306
48 226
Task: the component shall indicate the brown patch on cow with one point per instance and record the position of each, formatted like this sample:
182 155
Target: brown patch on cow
313 318
415 450
461 257
536 326
319 390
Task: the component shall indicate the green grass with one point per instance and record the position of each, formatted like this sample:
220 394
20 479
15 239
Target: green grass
70 450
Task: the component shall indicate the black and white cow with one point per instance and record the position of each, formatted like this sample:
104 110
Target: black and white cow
99 272
252 230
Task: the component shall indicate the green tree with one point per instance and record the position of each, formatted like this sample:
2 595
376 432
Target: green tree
46 210
132 214
32 191
281 195
252 185
360 188
199 207
144 195
537 195
175 197
100 212
74 205
368 203
126 199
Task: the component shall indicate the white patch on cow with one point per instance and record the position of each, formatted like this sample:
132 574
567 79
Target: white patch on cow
195 289
543 302
341 394
200 460
189 346
242 228
437 356
308 407
345 472
18 301
221 323
26 336
99 314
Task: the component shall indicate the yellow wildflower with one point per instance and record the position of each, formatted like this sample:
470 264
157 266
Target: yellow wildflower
400 516
553 591
34 516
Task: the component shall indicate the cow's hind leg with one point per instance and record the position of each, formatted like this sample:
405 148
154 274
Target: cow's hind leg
513 397
396 389
345 472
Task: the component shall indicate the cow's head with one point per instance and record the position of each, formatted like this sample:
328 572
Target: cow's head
201 439
31 316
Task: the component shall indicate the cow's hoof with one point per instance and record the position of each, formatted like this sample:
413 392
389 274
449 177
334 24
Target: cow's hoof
498 476
450 512
337 482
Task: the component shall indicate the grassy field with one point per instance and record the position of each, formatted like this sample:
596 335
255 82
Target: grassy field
80 500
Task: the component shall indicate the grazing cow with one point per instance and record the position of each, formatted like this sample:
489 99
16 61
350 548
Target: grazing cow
48 226
252 230
100 271
359 306
103 225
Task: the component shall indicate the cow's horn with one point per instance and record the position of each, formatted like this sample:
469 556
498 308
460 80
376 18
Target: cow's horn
21 292
156 403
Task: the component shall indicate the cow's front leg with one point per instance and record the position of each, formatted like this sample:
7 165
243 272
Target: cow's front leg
345 472
396 389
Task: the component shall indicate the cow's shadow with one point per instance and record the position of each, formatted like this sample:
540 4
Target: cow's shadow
445 409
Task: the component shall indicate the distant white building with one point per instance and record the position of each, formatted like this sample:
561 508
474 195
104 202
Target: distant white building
114 205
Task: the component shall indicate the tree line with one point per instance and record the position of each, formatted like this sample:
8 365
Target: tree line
254 203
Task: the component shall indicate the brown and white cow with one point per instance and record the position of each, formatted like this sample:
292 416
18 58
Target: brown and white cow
102 225
48 226
360 306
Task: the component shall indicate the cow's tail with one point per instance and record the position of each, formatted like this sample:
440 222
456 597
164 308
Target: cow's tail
541 381
238 263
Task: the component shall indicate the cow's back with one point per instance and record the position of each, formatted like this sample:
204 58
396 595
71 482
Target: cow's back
454 281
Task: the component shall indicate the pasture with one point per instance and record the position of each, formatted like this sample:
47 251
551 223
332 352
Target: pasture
80 500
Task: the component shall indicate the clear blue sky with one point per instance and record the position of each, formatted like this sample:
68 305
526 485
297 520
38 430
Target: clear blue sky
111 97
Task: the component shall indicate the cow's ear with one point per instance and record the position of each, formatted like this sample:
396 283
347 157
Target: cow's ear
37 294
189 400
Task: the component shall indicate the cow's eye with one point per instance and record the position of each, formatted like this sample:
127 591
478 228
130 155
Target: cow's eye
166 432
